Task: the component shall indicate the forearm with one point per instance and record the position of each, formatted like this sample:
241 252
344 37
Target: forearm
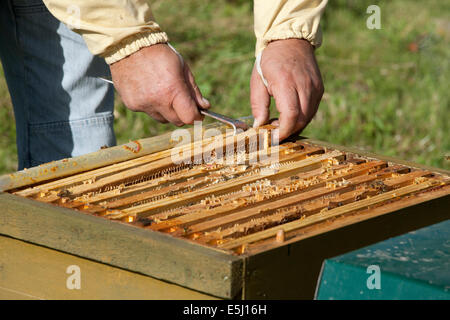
113 29
285 19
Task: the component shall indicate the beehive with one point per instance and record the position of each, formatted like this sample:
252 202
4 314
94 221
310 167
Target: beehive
236 205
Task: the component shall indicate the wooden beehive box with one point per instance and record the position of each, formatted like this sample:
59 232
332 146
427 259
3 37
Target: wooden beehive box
230 229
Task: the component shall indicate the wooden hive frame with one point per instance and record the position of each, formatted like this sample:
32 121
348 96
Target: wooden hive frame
201 231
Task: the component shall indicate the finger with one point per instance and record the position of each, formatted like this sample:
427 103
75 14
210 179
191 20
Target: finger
309 96
168 113
275 123
185 106
194 89
288 104
308 108
317 97
157 116
259 100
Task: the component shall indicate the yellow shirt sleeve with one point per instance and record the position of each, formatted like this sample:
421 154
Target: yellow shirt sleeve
112 29
284 19
115 29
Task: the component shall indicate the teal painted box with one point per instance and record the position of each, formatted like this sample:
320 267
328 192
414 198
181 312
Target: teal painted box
413 266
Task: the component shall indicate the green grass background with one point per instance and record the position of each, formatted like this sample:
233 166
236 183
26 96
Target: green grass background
387 91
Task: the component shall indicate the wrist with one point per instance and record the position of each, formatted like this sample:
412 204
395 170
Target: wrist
291 41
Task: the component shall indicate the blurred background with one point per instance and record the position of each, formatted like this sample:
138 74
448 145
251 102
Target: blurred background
386 91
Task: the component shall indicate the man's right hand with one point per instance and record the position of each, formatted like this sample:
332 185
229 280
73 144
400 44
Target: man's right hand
153 80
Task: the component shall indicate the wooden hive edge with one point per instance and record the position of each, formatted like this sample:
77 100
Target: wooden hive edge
70 166
208 270
367 154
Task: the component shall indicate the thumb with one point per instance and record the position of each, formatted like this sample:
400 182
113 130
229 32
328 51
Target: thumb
259 100
185 106
195 90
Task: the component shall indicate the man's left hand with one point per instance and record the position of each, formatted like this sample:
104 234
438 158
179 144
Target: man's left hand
294 80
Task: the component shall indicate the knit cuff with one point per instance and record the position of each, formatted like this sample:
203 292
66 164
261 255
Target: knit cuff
132 44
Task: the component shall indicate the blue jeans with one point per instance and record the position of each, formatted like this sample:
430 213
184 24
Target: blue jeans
61 108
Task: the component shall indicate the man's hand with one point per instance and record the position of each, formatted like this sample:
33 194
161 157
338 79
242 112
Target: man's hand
294 80
153 80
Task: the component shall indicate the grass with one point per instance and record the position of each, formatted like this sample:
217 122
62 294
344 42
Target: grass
386 90
8 150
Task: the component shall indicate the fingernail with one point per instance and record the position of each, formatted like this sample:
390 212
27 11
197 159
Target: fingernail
275 137
256 123
206 102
